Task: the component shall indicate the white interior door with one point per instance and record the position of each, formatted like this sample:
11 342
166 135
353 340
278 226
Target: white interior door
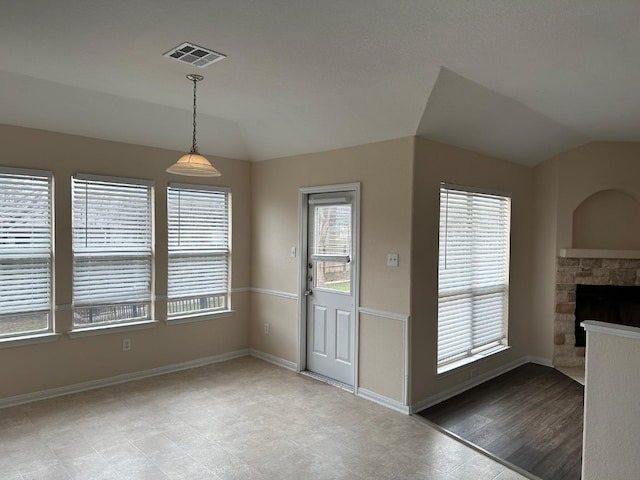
330 286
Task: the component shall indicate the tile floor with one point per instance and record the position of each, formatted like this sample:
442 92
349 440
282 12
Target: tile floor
241 419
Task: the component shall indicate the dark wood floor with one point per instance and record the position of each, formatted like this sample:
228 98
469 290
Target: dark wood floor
530 417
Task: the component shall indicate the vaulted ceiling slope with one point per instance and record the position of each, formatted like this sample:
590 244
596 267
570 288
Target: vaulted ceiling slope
522 80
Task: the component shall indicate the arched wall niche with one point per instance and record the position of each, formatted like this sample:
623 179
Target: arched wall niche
608 219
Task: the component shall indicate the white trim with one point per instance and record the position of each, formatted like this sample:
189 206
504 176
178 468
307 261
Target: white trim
275 293
379 313
196 187
113 328
26 171
29 340
303 212
303 250
545 362
466 385
241 290
89 177
328 199
280 362
406 364
480 190
341 187
598 253
126 377
611 329
463 362
202 317
382 400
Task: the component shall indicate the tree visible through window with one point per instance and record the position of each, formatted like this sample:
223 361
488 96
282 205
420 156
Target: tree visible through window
473 273
331 239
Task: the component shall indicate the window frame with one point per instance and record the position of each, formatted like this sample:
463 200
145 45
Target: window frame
472 292
201 313
50 255
122 256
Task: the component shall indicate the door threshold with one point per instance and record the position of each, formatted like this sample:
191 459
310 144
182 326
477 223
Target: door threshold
344 386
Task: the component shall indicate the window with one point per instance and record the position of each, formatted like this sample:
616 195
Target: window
112 250
198 221
473 274
26 248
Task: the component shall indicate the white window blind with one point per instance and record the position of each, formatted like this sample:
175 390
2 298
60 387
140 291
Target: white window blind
331 230
473 272
198 221
25 252
112 250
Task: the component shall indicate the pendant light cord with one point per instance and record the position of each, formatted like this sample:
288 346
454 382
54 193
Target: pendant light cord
194 146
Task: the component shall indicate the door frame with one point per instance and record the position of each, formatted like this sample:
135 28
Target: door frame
303 233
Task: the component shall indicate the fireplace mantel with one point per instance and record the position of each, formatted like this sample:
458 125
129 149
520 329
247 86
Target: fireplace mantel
598 253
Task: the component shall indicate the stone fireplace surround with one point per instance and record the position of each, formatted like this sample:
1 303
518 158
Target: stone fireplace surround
572 269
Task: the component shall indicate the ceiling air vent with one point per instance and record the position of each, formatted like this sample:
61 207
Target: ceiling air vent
194 55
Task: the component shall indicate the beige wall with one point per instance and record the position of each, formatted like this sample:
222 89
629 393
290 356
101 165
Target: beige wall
543 286
590 169
435 163
612 411
605 212
68 361
384 170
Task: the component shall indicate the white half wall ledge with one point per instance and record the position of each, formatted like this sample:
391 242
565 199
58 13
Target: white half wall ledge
598 253
611 329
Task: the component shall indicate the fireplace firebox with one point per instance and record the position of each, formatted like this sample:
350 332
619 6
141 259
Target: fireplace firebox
606 303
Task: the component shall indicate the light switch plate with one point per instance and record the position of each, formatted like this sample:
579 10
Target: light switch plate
293 252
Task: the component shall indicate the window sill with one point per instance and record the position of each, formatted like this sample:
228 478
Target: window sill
200 318
107 329
29 340
451 367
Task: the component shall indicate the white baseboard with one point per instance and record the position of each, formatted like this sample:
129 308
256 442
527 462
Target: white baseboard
474 382
547 362
267 357
384 401
126 377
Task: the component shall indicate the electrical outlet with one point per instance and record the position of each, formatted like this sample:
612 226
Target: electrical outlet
267 328
126 344
392 260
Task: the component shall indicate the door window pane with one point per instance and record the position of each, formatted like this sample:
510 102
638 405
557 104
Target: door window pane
330 247
333 276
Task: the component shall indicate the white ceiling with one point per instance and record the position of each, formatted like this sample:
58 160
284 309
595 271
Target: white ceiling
522 79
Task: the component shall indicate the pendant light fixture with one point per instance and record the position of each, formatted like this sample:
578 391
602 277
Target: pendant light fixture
193 164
